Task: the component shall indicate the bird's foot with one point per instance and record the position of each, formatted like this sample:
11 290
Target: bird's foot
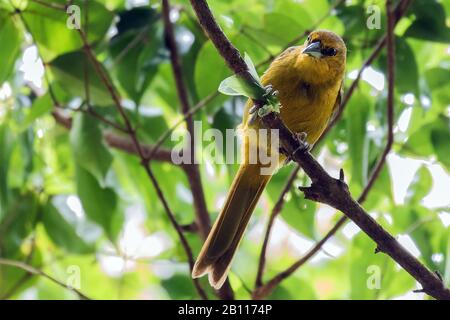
271 104
286 153
303 147
303 144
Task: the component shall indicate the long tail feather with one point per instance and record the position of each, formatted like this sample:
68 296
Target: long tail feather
226 234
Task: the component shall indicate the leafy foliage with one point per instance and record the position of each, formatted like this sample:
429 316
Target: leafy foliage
67 198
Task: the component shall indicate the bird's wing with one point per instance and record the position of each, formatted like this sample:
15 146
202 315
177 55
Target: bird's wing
337 104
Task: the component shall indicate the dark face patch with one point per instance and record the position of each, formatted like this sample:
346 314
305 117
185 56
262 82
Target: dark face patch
329 52
330 43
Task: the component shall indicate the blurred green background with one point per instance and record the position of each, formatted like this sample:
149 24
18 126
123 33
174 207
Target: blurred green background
79 209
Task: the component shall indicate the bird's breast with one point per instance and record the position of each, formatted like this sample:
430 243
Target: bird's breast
306 107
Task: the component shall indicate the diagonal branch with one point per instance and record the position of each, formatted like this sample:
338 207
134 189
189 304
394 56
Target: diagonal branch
141 152
261 292
275 212
33 270
324 188
119 142
192 170
136 147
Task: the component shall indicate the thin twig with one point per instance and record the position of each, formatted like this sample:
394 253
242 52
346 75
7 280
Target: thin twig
141 152
302 34
119 142
263 291
192 170
200 105
16 286
51 5
33 270
275 212
203 103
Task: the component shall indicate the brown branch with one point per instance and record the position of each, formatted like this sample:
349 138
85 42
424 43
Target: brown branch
118 142
28 260
91 111
275 212
390 96
142 154
192 170
324 188
33 270
263 291
225 48
200 105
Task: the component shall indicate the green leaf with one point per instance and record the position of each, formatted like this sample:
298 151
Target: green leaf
180 287
357 137
41 106
289 290
61 228
136 18
11 276
137 50
407 74
353 18
6 146
300 214
207 82
420 186
251 67
99 204
282 27
88 148
437 77
447 264
440 137
49 27
11 39
374 276
430 23
18 222
300 12
70 70
297 211
236 86
419 143
406 69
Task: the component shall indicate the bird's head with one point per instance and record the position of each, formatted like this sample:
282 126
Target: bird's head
324 54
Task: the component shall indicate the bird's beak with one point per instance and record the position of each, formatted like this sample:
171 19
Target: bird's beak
313 50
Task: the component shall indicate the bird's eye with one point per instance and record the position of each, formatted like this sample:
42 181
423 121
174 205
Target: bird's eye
329 52
309 38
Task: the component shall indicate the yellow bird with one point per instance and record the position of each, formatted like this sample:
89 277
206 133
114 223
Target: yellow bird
308 79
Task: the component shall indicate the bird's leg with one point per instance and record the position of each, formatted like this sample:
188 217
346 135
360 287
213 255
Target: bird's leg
286 153
271 104
253 114
304 145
